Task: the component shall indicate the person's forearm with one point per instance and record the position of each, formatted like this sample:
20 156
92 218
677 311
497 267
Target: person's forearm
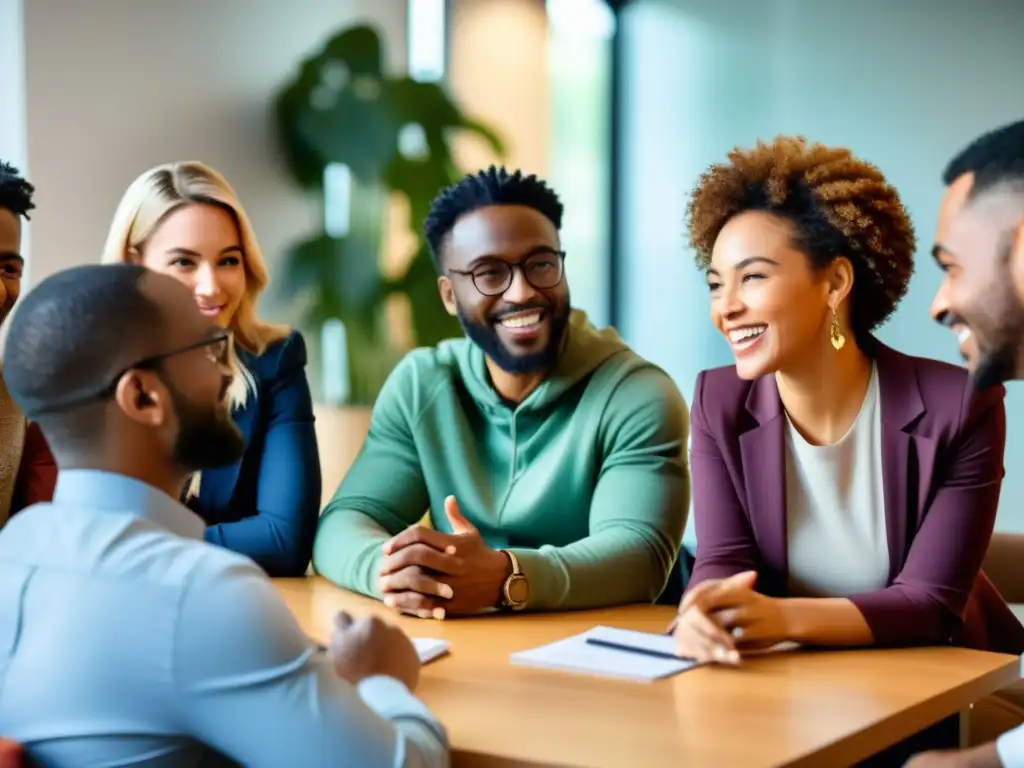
347 550
609 568
425 742
277 548
825 621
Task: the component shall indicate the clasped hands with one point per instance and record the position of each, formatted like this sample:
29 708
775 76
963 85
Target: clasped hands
721 618
432 574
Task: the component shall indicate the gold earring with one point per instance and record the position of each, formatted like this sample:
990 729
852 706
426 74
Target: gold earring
835 333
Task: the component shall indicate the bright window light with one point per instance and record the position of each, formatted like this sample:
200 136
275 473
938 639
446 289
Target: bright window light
581 18
426 22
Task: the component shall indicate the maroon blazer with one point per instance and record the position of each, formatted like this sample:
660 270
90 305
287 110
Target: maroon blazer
942 465
37 473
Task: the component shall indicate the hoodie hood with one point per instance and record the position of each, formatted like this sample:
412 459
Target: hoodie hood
584 349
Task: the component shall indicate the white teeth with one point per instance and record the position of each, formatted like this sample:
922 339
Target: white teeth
745 334
521 321
963 334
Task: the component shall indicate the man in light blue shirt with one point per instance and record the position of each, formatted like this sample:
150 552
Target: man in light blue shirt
125 640
979 245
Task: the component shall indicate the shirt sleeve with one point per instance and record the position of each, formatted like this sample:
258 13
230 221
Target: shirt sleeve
638 510
1010 748
253 687
384 491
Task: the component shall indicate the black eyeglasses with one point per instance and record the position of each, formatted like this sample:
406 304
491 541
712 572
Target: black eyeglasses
219 349
494 276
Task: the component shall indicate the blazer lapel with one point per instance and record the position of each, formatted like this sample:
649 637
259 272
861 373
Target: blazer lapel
764 467
901 406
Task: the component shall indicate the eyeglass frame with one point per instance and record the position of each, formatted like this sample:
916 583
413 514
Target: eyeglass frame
512 267
152 362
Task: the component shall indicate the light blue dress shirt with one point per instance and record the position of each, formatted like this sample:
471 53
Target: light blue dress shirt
125 640
1010 748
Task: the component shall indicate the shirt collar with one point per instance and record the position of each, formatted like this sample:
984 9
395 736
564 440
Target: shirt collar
112 492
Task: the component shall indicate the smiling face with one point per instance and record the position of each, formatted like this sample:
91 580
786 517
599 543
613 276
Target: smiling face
11 262
199 245
521 327
768 301
975 244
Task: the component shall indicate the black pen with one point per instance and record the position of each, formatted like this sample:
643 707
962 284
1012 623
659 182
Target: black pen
633 649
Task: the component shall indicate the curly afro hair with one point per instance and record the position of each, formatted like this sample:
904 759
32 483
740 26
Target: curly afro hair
839 206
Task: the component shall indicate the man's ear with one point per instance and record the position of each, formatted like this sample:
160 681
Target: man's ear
142 398
1017 261
444 287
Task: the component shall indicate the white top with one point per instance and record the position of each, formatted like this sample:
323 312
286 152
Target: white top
835 508
127 640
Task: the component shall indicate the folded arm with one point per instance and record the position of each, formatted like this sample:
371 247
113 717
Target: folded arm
279 533
252 686
638 511
383 492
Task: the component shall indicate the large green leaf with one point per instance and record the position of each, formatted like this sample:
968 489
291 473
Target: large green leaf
431 321
342 108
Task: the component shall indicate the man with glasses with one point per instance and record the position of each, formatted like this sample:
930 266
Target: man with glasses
550 456
127 640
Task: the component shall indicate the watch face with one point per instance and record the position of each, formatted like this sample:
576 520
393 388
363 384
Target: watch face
518 591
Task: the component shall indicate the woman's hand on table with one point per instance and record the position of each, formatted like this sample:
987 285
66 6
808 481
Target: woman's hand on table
721 618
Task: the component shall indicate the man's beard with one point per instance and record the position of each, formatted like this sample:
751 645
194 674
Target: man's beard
207 438
1001 361
485 336
1000 365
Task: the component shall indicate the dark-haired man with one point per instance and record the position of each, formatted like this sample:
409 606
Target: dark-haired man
27 471
128 640
979 245
551 456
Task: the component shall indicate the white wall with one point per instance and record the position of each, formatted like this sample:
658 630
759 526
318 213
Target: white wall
117 86
13 147
904 85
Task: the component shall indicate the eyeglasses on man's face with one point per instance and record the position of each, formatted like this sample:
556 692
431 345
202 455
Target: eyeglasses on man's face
493 277
218 348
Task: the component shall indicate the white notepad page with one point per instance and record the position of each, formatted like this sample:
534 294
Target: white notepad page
429 648
575 654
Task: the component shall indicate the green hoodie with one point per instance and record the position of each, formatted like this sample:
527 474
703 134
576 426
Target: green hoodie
585 481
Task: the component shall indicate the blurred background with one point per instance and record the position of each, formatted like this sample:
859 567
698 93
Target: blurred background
337 120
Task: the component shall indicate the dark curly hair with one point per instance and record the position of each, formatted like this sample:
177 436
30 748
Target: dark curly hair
495 186
15 192
839 206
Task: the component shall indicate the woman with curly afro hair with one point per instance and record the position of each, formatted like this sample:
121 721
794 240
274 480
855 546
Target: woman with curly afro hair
844 492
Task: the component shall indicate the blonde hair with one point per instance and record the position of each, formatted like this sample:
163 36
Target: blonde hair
148 201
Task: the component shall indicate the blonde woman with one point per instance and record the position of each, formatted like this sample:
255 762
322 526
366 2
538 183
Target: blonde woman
185 220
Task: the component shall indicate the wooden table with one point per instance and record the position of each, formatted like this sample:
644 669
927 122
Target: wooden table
788 709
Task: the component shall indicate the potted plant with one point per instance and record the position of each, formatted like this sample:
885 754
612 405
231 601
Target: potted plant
342 114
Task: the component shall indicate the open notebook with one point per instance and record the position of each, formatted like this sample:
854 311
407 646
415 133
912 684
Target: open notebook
649 657
428 648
